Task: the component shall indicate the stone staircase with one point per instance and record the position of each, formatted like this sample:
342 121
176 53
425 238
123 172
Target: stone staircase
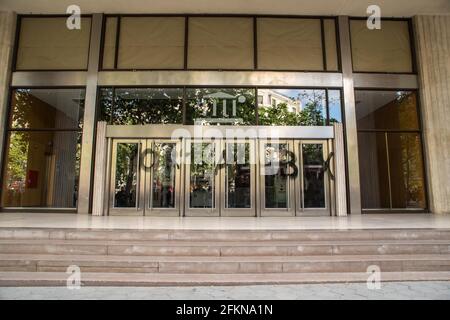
41 256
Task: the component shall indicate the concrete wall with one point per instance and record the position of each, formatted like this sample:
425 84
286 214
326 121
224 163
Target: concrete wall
433 54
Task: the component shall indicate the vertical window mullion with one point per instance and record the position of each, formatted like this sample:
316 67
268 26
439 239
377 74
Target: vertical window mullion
184 106
256 107
324 48
327 106
186 39
116 53
388 168
255 44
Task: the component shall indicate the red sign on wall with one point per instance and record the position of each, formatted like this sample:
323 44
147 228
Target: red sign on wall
32 179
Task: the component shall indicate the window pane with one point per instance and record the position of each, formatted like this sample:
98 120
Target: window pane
220 43
313 176
164 175
292 107
276 181
41 169
386 110
147 106
151 43
105 104
238 175
406 170
109 47
289 44
47 108
227 106
329 28
334 106
202 172
391 170
47 43
381 50
373 168
126 175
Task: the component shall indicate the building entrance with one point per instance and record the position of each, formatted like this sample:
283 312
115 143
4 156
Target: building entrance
220 177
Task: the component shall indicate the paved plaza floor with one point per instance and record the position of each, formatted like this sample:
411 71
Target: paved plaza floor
434 290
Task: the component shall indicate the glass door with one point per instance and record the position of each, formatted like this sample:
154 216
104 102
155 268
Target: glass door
202 162
238 178
277 173
312 184
163 177
127 178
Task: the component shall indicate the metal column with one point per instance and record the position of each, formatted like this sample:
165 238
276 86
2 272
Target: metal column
87 159
350 116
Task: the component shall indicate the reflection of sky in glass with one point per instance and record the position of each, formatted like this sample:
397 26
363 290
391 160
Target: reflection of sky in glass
334 104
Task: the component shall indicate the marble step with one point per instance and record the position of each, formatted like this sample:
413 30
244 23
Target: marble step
159 279
223 235
224 248
225 265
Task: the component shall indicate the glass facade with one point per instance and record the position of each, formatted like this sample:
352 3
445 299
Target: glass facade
220 106
41 166
43 148
390 150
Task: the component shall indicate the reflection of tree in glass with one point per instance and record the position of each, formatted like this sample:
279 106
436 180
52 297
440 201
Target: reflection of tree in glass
126 172
202 165
312 154
310 115
164 175
106 99
17 160
238 175
21 108
410 148
412 169
144 106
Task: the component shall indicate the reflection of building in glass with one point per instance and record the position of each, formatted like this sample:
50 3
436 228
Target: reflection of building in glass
222 97
270 97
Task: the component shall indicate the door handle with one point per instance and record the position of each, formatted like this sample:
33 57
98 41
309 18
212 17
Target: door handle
220 165
326 165
144 154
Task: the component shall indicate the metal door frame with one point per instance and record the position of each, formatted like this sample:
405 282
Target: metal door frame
149 171
275 212
300 209
138 210
238 212
201 212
